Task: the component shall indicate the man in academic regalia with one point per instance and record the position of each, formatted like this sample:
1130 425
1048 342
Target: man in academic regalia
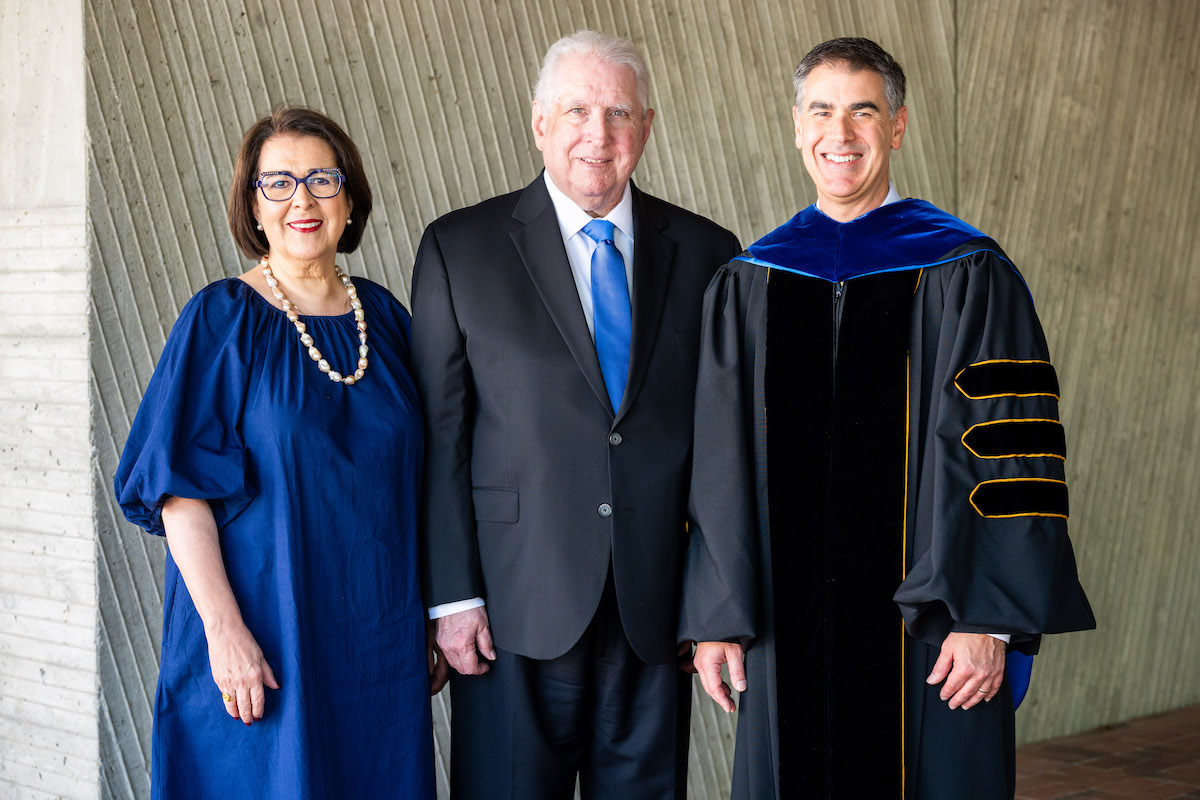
895 519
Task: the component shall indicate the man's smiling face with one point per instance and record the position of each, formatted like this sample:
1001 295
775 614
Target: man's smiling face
846 133
593 133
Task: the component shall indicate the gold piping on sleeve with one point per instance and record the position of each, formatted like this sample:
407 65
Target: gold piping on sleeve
1010 455
1023 513
1002 394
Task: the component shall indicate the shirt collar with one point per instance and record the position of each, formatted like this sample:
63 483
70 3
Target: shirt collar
572 218
892 197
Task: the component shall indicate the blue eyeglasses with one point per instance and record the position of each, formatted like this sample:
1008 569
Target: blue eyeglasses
321 183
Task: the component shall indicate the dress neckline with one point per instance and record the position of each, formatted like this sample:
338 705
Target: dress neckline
279 311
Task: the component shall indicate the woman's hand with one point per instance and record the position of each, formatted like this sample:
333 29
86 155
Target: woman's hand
240 671
238 665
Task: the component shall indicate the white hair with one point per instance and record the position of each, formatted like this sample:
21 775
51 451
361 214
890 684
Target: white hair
611 50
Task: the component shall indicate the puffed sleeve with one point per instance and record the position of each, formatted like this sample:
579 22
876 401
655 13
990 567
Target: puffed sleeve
186 440
990 537
721 569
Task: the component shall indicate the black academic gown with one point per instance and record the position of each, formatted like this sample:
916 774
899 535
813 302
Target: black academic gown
877 440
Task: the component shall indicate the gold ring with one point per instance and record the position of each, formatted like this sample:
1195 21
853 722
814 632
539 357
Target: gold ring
983 691
225 696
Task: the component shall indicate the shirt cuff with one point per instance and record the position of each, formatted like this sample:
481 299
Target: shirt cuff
446 609
1004 637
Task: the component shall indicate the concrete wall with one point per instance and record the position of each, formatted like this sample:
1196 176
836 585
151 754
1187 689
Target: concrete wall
1078 152
1066 129
48 735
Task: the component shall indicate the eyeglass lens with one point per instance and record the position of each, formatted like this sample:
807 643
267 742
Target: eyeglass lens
321 184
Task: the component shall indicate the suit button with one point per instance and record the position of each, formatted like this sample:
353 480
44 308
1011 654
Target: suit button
605 510
615 439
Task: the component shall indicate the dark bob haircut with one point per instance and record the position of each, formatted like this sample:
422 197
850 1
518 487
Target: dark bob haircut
295 121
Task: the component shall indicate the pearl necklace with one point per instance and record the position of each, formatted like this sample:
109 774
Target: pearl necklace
293 314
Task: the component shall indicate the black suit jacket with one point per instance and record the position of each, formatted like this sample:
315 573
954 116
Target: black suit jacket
533 483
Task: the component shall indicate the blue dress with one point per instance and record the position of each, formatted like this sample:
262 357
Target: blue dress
314 486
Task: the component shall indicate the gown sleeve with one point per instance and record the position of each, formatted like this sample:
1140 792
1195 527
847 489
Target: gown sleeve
186 440
721 570
989 534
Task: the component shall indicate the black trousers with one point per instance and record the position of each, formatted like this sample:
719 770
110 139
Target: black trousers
528 728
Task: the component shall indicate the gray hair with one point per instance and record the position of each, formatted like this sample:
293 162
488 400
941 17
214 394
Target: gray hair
611 50
854 53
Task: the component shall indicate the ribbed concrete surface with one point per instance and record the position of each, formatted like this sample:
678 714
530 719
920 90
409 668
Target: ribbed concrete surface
48 738
1080 119
1065 129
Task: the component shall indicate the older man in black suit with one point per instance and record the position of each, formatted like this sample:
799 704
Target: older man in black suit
555 340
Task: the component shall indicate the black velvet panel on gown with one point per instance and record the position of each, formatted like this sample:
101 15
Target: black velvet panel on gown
836 396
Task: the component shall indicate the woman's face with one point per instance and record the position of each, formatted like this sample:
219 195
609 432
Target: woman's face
304 229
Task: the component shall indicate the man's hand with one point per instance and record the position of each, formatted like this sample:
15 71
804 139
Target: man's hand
439 672
974 663
683 658
709 658
463 637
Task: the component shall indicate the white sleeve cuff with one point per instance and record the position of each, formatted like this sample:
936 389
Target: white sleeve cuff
446 609
1004 637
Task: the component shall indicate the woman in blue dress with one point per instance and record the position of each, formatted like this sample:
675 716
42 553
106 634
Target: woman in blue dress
278 447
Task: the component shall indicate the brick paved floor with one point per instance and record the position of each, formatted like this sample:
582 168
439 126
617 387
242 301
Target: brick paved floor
1151 758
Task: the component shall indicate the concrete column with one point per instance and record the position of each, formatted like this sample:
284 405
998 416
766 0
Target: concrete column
48 687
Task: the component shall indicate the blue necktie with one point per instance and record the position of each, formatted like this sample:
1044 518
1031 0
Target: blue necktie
610 309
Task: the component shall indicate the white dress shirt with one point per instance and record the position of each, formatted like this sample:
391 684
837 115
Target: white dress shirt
580 246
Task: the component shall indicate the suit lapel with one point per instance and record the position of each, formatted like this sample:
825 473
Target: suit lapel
540 246
653 258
